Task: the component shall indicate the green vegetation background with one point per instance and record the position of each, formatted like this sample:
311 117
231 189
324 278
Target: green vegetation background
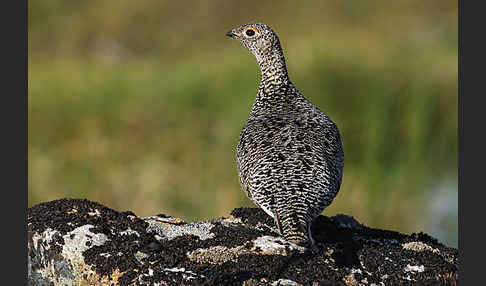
138 104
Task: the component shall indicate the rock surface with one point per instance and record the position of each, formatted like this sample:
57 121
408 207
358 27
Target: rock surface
79 242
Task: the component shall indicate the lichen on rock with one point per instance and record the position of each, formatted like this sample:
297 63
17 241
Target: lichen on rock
79 242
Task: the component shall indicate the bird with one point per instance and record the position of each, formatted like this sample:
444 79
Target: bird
289 154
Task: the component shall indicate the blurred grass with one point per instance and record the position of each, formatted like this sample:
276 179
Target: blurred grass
139 106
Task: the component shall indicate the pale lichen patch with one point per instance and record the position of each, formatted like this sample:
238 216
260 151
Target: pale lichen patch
81 239
419 246
232 219
414 268
75 243
264 245
129 231
46 237
186 274
140 256
274 245
169 228
216 254
285 282
95 213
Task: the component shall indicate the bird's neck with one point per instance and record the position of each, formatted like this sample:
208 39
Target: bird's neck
273 71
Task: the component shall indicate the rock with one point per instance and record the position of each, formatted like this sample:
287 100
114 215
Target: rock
79 242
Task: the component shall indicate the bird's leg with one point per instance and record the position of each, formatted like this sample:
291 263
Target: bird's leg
309 233
314 249
277 221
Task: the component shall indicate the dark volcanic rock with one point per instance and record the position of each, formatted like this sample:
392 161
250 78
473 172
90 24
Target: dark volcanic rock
80 242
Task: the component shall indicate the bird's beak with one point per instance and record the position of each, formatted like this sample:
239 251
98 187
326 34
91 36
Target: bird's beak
230 34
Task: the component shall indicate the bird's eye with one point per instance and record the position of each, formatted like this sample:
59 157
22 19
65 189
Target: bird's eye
250 32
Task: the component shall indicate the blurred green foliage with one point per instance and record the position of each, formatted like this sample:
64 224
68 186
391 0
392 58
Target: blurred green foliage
139 104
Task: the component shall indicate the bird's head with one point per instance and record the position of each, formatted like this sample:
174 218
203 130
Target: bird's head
258 38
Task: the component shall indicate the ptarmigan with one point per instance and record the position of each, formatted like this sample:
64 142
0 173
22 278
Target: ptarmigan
289 156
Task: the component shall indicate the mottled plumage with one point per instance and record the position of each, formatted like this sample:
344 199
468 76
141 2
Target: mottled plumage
289 156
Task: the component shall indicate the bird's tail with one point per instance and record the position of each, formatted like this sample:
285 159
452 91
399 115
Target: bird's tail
295 228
